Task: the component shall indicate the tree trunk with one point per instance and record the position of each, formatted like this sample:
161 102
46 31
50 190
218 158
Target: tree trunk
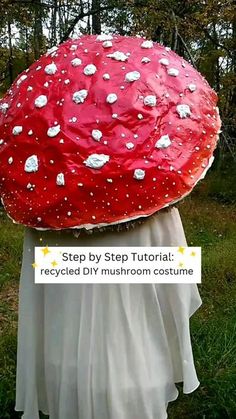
217 66
38 29
27 61
53 39
157 35
60 19
10 60
96 19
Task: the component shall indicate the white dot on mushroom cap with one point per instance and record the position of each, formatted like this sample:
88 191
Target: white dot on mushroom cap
96 161
132 76
147 44
22 78
164 61
80 96
96 134
76 62
53 131
4 107
52 51
118 56
139 174
50 68
173 72
192 87
31 164
183 111
73 119
107 44
140 116
150 100
60 180
106 76
90 69
17 130
41 101
111 98
145 60
129 145
67 81
163 142
73 47
10 160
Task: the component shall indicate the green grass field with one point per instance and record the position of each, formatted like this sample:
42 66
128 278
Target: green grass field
209 218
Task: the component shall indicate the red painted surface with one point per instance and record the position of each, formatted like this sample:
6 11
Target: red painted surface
110 193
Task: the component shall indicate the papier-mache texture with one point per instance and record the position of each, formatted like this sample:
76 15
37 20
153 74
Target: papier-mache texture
102 130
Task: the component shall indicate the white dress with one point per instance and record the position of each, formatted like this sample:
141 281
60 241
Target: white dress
104 351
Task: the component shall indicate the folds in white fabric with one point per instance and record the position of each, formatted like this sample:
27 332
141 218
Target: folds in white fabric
104 351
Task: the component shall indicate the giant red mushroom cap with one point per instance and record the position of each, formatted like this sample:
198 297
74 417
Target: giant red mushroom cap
101 130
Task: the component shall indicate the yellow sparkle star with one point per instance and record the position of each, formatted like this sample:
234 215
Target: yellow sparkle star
181 264
181 249
35 265
45 250
41 239
54 263
193 254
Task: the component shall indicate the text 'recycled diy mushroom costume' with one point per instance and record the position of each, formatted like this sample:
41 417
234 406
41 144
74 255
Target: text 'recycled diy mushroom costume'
100 131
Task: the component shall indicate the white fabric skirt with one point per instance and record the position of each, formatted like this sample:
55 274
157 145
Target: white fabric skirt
104 351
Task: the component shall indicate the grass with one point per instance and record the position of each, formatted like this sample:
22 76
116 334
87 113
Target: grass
209 218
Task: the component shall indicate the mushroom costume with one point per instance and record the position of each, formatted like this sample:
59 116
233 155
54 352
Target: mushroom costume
99 132
99 121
